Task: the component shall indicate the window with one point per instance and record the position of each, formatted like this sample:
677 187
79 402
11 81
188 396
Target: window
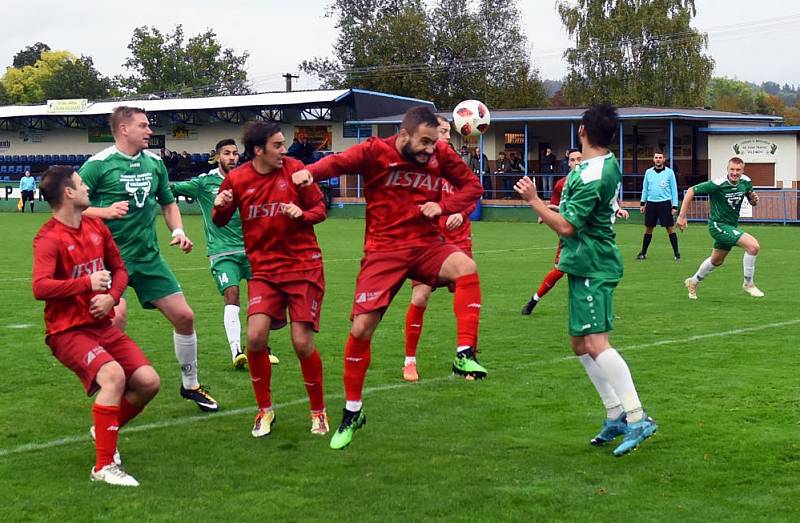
354 131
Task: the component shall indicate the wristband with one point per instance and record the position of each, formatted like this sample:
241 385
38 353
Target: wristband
177 231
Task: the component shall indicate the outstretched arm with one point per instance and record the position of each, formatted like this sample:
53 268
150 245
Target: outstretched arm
682 222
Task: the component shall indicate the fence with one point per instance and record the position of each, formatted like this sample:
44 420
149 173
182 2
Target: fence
774 206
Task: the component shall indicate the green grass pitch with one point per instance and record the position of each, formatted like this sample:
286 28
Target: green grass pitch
720 375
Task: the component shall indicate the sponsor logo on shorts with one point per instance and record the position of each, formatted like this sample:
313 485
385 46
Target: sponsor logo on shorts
92 354
255 300
364 297
586 326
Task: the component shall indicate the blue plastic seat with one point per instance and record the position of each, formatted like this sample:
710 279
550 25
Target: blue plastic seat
63 159
15 158
3 169
27 168
48 159
19 170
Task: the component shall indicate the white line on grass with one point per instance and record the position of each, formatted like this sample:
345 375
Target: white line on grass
30 447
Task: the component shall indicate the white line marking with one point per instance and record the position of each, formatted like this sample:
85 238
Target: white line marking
30 447
19 326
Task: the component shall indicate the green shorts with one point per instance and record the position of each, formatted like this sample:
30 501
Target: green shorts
591 305
229 269
725 236
152 280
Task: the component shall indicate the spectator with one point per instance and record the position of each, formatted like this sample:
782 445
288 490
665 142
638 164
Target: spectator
514 166
501 167
547 167
296 149
565 163
27 186
464 154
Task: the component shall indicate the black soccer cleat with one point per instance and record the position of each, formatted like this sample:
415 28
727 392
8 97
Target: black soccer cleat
527 309
201 397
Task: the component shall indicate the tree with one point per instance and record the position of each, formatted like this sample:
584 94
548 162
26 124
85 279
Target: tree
57 74
726 94
635 52
30 55
162 63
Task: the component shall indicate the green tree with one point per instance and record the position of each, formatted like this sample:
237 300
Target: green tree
726 94
167 63
635 52
30 55
77 79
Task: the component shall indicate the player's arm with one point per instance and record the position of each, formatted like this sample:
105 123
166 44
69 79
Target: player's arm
225 204
752 197
91 175
682 222
172 215
526 188
45 287
355 160
312 205
673 191
189 188
101 304
643 199
468 189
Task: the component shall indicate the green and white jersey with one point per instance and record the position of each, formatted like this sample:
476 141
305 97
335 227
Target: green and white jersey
589 203
725 198
204 189
141 180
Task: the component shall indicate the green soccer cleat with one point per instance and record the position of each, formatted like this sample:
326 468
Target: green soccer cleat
466 365
635 433
351 422
612 429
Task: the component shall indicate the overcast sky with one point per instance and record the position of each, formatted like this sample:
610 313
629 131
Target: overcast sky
748 40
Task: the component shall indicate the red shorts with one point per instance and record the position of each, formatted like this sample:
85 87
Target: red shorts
382 273
85 349
300 291
450 286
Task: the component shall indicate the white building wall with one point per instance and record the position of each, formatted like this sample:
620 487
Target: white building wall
757 148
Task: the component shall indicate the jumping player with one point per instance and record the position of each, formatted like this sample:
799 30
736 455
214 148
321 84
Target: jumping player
725 196
78 272
403 176
126 185
278 225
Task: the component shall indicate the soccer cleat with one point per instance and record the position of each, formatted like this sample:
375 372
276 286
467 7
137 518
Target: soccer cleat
410 372
319 423
117 458
201 397
691 286
677 257
641 256
272 359
752 290
528 307
239 361
612 428
635 433
262 426
351 422
114 474
466 364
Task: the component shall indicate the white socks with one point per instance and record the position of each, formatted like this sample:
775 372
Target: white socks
352 406
410 359
604 389
705 269
619 377
233 328
749 263
186 352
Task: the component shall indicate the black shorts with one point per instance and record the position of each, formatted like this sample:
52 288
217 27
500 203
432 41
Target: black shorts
27 196
658 212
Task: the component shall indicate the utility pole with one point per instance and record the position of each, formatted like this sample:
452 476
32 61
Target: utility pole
289 77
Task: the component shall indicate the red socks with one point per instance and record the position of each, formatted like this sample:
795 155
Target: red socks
549 282
312 377
127 412
106 430
414 318
260 376
467 307
356 363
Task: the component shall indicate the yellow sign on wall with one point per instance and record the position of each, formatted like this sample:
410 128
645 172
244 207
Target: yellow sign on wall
75 105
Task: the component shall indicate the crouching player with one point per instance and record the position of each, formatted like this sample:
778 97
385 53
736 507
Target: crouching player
278 226
74 260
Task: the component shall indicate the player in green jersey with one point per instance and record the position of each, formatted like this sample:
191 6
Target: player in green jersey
127 183
589 256
229 263
725 197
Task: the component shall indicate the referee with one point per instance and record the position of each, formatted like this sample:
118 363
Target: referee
27 186
659 203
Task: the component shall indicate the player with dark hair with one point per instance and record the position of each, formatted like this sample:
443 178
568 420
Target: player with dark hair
127 183
659 203
78 272
229 264
456 229
726 196
278 227
403 176
591 260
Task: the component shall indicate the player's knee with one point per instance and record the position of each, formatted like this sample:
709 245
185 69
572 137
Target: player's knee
183 319
149 382
466 266
753 248
120 321
111 378
231 296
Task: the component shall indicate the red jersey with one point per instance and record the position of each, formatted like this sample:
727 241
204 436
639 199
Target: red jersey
555 196
461 237
395 188
274 242
63 260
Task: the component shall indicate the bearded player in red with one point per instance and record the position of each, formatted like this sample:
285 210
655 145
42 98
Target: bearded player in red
456 229
74 261
278 226
403 177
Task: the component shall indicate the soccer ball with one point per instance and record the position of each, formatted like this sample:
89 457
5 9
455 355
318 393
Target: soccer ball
471 118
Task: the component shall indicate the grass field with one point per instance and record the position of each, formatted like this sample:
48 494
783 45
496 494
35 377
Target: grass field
720 375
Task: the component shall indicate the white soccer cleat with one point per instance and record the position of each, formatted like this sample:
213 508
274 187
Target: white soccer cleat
691 286
114 474
117 458
262 426
752 290
319 423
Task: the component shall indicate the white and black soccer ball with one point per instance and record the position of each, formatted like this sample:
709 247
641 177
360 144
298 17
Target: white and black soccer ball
471 118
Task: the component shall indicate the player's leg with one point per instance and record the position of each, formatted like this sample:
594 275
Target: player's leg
120 320
648 235
420 294
178 312
549 281
258 327
460 269
311 368
673 241
751 248
716 259
233 325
